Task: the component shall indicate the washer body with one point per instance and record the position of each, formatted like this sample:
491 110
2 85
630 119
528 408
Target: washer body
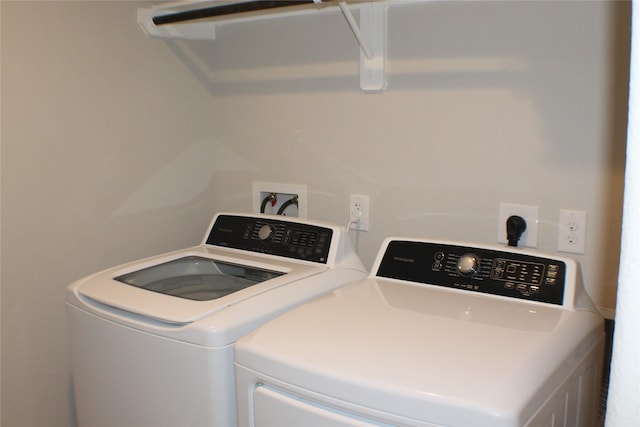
152 340
426 340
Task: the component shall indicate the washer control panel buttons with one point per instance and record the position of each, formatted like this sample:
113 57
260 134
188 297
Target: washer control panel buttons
272 236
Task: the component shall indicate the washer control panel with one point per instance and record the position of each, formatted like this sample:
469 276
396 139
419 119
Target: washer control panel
270 236
490 271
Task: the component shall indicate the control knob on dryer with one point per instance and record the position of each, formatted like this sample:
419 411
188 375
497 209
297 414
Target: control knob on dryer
468 264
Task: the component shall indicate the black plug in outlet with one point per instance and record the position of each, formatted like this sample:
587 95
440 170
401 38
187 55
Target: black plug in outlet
516 226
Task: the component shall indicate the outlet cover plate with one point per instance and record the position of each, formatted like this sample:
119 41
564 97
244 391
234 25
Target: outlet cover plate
572 231
359 202
531 215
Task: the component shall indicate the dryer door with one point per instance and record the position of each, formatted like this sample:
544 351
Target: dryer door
272 406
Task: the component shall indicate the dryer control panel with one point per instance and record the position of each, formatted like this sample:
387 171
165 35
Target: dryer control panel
272 236
490 271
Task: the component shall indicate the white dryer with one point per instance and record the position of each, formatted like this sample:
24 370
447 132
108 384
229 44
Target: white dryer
152 340
439 334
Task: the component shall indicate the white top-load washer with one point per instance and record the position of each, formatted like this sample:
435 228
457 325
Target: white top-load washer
152 340
439 334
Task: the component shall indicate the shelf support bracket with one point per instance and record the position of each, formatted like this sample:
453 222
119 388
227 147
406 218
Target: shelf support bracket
371 34
372 37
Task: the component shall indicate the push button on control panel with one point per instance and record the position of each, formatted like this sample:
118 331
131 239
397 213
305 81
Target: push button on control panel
437 261
551 277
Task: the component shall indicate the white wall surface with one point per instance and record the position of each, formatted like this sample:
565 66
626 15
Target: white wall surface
98 126
116 146
487 102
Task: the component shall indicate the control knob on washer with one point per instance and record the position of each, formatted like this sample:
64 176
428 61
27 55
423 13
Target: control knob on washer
265 232
468 264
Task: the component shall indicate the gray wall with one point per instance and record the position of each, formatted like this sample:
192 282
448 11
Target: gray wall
93 114
116 146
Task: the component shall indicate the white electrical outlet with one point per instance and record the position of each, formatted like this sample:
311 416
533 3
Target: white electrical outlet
572 231
289 199
359 208
530 214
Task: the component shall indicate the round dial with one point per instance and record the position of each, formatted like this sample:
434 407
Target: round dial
265 232
468 264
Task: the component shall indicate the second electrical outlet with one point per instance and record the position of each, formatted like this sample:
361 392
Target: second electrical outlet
359 208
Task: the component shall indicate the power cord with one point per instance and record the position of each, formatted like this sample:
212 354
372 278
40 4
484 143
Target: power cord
352 221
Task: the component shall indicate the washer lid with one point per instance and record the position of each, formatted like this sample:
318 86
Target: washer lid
433 354
197 278
184 286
